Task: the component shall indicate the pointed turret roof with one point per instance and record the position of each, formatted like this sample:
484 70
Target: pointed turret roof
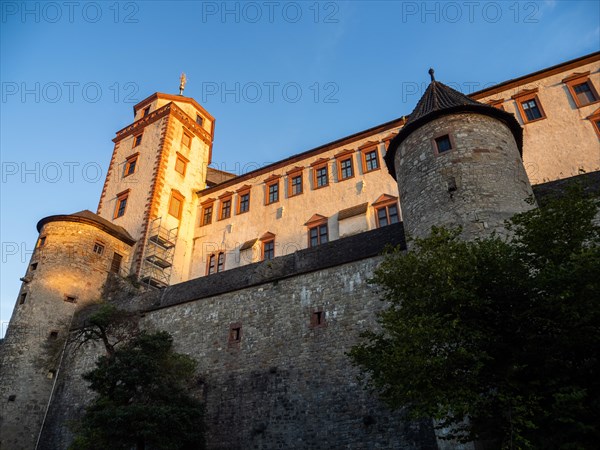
440 100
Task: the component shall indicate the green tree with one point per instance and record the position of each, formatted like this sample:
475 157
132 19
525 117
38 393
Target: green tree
142 399
497 339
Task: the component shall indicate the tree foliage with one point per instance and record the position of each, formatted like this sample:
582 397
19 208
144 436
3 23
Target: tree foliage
497 338
142 399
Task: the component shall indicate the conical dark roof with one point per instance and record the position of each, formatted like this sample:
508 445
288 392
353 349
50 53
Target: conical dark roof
440 100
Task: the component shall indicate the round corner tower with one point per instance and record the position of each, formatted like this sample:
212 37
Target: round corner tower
458 162
72 259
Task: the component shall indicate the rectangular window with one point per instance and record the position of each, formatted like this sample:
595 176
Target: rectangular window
321 177
273 195
216 263
176 204
121 205
387 215
346 169
137 140
443 144
235 333
34 266
53 334
244 205
207 214
98 248
115 265
146 111
268 249
186 140
317 235
41 242
584 93
199 119
532 110
70 299
370 159
225 208
296 185
317 319
22 298
181 164
130 165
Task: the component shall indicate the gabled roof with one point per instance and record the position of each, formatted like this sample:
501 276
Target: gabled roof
441 100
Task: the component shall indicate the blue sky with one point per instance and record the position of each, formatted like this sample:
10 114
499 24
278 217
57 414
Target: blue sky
279 77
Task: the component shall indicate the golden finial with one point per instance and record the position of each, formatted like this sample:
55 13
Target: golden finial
182 81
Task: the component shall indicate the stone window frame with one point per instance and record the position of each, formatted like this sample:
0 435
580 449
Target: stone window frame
70 298
186 143
130 164
368 148
41 241
215 262
207 206
578 79
434 143
137 140
122 201
225 205
270 182
384 202
316 222
23 298
241 192
319 164
176 196
318 318
234 336
340 158
291 175
33 266
146 111
181 163
266 239
101 246
525 96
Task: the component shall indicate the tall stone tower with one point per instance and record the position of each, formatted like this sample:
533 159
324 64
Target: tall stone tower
458 162
158 163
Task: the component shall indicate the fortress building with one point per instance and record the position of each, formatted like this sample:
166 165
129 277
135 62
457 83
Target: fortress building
262 277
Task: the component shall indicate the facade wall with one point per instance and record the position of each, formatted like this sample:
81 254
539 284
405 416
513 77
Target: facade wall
287 217
31 351
564 144
478 184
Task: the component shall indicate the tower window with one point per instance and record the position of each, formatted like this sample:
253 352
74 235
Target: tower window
70 299
317 319
121 205
186 140
12 398
98 248
130 165
137 140
199 119
146 111
443 144
22 298
41 241
176 204
235 333
34 266
181 164
53 335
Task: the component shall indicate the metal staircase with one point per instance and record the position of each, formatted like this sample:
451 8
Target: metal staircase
158 255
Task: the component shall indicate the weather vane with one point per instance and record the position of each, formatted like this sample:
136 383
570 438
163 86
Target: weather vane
182 81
